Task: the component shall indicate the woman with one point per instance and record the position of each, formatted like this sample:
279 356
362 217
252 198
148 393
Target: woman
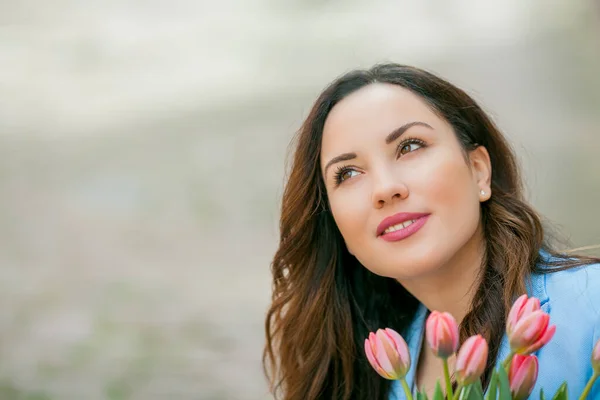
403 198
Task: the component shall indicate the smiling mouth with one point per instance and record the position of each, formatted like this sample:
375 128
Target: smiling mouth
399 226
404 229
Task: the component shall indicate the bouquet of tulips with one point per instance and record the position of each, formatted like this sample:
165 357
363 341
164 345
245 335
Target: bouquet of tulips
528 330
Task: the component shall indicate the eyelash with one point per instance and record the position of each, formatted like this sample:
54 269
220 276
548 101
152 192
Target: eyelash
407 141
341 170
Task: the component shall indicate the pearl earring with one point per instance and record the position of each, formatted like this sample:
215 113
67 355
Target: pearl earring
482 192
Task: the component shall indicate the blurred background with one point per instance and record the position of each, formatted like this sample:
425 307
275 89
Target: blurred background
142 159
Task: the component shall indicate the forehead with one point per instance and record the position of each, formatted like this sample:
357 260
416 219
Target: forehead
371 113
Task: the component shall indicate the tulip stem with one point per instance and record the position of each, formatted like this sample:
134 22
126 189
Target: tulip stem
588 387
457 394
449 394
406 389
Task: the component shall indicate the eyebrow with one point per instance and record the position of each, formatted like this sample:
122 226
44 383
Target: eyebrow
392 137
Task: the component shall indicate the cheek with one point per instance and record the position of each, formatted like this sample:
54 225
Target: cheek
350 210
453 193
450 181
345 213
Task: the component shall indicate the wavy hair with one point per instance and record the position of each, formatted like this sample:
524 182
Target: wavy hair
325 302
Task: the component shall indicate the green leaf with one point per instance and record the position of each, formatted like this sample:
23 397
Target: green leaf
561 393
466 392
503 385
479 390
542 396
437 394
422 396
474 392
492 393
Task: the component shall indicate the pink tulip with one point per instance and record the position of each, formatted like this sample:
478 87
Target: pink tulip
531 333
596 357
527 326
471 360
388 354
522 307
522 375
442 334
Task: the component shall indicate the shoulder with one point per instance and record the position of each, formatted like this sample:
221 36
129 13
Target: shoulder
573 302
573 297
578 284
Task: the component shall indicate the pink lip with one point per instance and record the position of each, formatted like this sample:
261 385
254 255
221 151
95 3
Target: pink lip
420 219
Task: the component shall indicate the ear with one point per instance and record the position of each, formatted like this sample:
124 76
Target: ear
481 166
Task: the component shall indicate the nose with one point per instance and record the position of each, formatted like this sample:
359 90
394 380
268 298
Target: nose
388 188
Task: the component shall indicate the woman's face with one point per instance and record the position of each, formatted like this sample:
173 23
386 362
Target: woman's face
402 193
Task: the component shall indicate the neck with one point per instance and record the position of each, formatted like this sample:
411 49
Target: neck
451 287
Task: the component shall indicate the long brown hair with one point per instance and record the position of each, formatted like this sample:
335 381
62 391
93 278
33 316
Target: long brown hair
325 302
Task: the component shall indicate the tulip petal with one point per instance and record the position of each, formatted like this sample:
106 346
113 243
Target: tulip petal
382 354
444 336
462 359
471 359
596 357
516 364
532 326
523 374
431 330
596 352
400 346
442 333
478 358
528 331
376 352
515 310
388 354
454 333
392 354
373 360
543 340
532 304
370 355
372 340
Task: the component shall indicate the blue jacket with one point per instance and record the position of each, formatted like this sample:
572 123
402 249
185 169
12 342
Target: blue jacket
572 298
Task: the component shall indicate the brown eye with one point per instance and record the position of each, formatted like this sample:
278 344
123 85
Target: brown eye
343 174
349 173
409 147
346 174
405 149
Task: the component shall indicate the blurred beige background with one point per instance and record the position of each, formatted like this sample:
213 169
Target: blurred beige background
142 149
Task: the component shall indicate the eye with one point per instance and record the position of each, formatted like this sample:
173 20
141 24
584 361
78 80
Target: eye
409 145
344 173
